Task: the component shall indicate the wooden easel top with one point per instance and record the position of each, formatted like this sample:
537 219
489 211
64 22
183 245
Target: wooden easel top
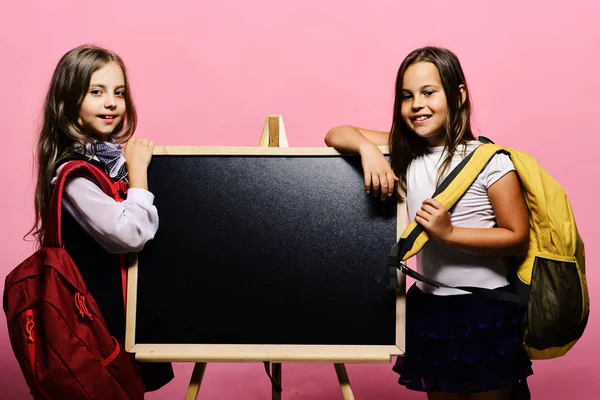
273 134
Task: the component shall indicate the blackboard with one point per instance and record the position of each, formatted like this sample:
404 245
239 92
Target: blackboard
264 247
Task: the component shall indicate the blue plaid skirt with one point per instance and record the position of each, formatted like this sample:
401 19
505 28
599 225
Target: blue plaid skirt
462 343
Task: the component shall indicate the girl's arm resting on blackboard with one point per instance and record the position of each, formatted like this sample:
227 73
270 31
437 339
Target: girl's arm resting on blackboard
348 139
119 227
378 174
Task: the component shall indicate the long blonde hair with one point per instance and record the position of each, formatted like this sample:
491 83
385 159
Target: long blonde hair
61 133
405 145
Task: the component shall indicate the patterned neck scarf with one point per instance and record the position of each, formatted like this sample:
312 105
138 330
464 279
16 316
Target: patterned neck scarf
111 157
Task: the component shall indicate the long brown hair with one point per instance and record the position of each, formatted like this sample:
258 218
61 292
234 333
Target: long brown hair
405 145
61 134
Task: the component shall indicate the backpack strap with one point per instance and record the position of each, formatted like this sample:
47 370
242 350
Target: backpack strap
116 190
415 237
52 235
452 188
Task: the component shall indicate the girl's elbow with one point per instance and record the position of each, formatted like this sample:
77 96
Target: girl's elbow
129 245
522 244
134 244
329 137
333 134
129 238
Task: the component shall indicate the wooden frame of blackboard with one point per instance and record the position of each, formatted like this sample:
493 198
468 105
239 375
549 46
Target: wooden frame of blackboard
273 353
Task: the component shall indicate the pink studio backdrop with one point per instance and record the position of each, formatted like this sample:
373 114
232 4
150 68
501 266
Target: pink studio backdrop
208 73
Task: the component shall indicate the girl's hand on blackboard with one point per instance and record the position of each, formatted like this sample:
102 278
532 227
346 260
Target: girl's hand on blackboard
138 153
379 177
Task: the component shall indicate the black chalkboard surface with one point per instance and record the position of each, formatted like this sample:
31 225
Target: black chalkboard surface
268 248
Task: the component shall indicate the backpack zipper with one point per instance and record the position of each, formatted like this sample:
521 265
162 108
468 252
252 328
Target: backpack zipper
29 324
80 303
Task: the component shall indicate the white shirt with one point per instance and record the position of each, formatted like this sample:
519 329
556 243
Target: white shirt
119 227
447 264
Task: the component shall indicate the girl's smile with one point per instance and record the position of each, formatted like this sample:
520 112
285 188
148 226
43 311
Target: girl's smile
109 118
421 119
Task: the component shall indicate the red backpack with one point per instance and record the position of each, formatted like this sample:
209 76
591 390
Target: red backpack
55 327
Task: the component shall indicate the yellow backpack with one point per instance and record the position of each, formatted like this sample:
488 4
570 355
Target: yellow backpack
550 279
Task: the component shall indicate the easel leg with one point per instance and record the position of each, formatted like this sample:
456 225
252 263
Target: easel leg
340 370
276 373
196 381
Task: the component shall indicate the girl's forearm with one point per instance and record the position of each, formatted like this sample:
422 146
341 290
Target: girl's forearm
138 179
346 139
500 242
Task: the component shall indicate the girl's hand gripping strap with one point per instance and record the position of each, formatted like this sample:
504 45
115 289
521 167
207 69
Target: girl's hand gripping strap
448 193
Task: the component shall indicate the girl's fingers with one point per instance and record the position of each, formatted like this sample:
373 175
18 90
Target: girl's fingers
375 180
434 203
391 181
420 220
384 187
368 182
422 215
428 209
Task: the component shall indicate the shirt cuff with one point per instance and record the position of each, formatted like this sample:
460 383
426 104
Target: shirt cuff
140 196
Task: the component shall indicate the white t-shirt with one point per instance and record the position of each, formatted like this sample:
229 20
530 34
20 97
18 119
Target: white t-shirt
446 264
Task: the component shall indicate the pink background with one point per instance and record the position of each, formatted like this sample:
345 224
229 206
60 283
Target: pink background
208 73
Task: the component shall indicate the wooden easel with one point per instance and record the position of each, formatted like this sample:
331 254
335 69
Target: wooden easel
273 135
